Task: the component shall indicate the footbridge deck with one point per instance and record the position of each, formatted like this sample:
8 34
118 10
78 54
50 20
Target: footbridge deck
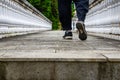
38 53
46 55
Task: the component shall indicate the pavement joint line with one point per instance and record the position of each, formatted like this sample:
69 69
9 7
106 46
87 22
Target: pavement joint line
107 59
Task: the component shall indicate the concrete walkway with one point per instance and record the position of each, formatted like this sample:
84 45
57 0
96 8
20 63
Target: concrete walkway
46 56
42 44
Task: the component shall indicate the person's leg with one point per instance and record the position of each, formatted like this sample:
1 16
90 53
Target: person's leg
82 7
64 8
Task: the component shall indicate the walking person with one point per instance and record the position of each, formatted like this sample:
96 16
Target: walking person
64 8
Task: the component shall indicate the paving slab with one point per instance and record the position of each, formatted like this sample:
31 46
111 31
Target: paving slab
52 56
50 44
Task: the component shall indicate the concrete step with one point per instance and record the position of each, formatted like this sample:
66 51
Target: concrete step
46 56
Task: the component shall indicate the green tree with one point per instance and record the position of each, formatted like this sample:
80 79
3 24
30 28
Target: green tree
49 9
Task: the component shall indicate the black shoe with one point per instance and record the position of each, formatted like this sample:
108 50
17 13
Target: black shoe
68 35
82 31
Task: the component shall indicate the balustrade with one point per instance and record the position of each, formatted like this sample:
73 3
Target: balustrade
104 17
20 16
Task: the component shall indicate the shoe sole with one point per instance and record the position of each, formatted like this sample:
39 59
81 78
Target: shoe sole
82 31
68 38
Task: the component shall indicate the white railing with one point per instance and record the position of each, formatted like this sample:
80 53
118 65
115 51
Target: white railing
19 16
90 1
104 18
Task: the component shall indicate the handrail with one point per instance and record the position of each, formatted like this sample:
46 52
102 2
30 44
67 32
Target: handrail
104 17
21 16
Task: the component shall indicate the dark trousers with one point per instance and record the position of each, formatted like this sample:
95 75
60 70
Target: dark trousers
64 7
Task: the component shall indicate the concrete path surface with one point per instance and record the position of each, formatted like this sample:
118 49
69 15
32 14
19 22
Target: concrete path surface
43 46
46 56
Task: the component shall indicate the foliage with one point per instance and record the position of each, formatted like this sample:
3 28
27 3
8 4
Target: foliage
49 9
